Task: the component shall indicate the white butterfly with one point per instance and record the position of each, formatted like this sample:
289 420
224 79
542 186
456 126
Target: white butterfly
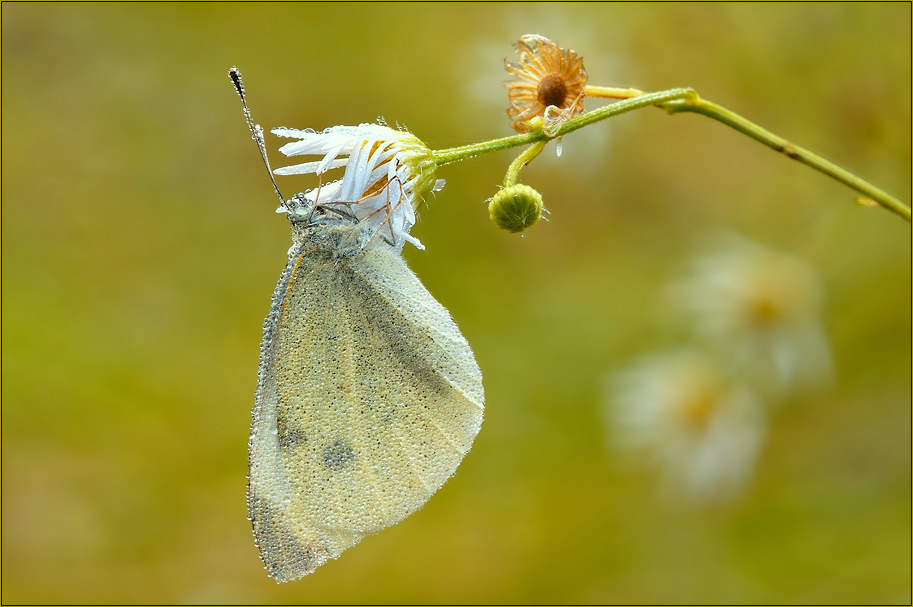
368 395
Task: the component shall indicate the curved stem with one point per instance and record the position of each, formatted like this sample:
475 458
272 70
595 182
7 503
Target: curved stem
806 157
513 171
684 100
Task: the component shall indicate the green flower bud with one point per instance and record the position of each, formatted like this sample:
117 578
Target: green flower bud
516 208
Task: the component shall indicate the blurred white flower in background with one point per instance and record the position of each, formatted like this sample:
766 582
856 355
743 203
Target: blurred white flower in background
683 414
759 309
698 414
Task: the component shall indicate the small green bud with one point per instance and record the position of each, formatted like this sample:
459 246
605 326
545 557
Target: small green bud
515 208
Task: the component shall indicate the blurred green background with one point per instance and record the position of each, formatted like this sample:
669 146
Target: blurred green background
140 249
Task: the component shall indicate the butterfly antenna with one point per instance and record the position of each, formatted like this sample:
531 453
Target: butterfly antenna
256 132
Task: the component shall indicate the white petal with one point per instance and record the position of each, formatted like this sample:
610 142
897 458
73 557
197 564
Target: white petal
296 133
309 167
327 163
326 194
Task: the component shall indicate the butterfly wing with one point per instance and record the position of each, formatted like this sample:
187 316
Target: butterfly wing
368 398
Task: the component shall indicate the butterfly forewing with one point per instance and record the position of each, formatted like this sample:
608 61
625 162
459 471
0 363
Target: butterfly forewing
368 398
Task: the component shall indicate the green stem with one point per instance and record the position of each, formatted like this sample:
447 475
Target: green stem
513 171
685 100
442 157
806 157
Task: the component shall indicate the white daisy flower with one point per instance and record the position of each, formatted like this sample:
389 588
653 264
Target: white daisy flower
760 308
681 412
387 174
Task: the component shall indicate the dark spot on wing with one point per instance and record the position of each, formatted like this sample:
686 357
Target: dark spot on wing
291 436
338 455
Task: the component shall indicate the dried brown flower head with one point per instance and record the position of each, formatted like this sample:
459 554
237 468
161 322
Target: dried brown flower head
546 76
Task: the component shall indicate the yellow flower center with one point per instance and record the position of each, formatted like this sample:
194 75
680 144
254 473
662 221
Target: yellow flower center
765 310
697 409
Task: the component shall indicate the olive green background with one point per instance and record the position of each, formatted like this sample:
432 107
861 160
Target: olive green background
140 249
